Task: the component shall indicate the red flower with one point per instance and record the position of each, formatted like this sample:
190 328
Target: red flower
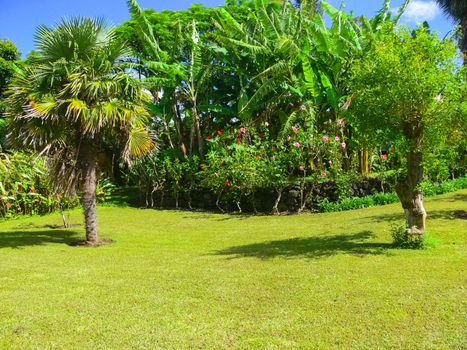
219 132
227 182
208 137
238 141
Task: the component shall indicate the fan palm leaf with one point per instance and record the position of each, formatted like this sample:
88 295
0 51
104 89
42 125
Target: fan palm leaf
457 9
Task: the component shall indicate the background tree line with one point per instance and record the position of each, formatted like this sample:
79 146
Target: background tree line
259 94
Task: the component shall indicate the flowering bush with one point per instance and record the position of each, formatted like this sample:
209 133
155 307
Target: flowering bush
233 173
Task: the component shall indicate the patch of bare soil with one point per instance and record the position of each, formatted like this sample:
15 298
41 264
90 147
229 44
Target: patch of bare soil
88 244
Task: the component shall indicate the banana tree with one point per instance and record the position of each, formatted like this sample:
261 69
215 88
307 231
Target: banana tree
180 75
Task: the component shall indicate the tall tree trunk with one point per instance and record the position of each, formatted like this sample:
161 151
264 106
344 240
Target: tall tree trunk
179 127
192 139
198 133
364 155
88 189
410 193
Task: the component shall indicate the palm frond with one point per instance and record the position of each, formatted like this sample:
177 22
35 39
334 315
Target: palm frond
139 143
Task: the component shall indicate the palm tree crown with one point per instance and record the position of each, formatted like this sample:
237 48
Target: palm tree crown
457 9
454 8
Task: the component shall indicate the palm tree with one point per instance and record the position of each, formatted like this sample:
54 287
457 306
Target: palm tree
74 97
457 9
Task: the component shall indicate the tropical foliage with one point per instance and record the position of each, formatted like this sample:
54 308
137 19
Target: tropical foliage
251 97
72 99
25 187
8 54
414 87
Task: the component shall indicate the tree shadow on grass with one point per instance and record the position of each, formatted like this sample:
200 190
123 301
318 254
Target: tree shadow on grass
458 197
21 239
213 216
432 214
310 247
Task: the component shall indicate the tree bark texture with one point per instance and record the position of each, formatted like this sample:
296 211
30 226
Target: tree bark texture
88 163
179 127
410 193
199 135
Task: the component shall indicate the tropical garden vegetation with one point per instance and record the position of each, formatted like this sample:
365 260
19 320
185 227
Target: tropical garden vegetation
249 98
264 107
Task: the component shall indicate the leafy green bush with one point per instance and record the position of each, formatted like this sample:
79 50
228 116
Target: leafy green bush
25 187
403 239
384 198
233 173
388 198
3 132
104 190
432 189
358 202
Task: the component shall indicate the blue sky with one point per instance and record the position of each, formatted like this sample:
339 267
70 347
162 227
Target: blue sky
19 18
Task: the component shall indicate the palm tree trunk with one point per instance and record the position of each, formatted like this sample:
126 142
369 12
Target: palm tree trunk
88 189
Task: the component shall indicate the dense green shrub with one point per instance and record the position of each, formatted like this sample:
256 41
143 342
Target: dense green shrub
403 239
429 189
3 132
25 187
358 202
105 189
233 173
432 189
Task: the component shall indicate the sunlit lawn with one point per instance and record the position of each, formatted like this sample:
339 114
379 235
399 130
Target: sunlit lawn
183 280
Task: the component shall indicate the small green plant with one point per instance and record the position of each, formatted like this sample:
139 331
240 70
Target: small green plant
358 202
104 190
433 189
403 239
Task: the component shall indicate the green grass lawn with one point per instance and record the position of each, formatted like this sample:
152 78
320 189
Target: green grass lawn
183 280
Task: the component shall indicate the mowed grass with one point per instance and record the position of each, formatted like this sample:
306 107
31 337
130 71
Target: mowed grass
183 280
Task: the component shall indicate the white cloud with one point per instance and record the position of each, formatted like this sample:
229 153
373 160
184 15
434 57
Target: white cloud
419 11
